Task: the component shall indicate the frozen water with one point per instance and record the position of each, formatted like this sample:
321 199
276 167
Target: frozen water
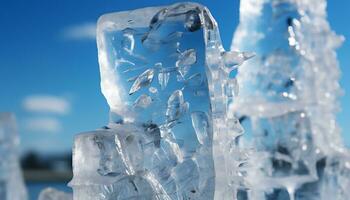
11 180
177 107
143 101
144 80
185 60
114 164
335 182
200 123
53 194
163 78
288 101
166 78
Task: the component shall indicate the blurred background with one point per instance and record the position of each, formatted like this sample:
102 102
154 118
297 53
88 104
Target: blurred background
49 74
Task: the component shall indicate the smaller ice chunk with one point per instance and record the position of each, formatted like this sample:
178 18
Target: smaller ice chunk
53 194
185 60
163 79
153 90
200 124
187 57
116 168
144 80
176 106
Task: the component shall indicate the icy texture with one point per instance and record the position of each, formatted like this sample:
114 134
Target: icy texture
166 78
11 181
288 100
53 194
335 182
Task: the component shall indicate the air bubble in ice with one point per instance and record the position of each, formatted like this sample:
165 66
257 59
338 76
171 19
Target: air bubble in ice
193 22
143 101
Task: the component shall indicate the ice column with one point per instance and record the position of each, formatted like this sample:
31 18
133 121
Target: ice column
11 181
166 78
288 97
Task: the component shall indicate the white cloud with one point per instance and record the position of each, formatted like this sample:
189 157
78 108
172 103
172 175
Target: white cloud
43 124
81 31
46 104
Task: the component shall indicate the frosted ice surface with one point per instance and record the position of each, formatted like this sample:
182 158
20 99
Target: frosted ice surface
53 194
165 78
335 182
11 181
288 100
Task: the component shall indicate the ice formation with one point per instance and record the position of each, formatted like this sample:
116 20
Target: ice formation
11 180
288 101
168 82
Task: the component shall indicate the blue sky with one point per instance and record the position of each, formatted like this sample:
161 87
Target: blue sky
48 58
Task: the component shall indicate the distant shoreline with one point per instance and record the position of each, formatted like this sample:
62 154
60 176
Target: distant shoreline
47 176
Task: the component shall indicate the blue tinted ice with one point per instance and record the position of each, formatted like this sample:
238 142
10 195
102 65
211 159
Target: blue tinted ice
166 78
288 100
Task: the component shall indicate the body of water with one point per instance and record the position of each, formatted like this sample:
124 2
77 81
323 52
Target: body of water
34 188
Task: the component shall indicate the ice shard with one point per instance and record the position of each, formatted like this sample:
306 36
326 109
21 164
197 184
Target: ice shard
288 100
11 181
166 78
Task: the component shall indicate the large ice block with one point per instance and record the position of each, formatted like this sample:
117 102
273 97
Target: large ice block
11 180
166 78
288 96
